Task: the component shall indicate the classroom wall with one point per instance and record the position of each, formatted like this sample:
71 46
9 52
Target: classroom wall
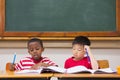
58 51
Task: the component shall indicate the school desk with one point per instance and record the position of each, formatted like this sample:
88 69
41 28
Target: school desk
12 75
87 76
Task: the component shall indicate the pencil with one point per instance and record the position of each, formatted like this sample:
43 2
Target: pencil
14 58
87 56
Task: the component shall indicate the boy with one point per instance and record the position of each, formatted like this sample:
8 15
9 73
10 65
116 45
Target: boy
80 47
35 61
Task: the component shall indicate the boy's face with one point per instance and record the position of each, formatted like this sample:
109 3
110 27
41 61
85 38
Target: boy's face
35 50
78 51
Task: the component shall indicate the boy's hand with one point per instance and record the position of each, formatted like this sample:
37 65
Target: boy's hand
12 67
37 66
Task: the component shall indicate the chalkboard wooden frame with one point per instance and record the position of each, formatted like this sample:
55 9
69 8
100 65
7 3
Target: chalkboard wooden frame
54 34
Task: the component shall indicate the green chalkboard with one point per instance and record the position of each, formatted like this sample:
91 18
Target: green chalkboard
60 15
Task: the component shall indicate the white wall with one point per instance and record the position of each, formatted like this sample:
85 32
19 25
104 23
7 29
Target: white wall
59 55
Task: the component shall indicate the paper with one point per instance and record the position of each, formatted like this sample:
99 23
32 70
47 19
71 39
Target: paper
79 69
76 69
28 71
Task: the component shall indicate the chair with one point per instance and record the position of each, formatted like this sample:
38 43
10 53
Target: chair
8 67
103 63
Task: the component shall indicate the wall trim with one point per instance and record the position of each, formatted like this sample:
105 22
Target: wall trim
112 44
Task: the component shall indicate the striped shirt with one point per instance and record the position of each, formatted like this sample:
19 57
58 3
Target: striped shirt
28 62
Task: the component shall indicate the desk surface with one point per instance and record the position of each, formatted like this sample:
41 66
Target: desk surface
86 75
12 75
48 75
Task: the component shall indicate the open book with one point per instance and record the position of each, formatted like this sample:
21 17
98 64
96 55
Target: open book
76 69
28 71
79 69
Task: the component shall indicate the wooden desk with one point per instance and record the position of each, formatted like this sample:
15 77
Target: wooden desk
12 75
87 76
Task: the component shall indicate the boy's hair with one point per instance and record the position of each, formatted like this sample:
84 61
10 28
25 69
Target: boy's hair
81 40
35 40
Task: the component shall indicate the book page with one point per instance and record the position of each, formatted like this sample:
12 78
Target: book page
56 69
105 70
28 71
78 69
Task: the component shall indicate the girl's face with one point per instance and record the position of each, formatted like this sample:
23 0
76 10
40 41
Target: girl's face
78 51
35 50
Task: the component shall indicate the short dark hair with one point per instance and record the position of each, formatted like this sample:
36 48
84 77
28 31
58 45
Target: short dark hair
35 40
81 40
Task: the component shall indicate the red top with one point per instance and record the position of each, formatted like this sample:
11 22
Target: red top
71 63
28 62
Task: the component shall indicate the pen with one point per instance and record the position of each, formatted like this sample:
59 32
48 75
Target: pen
14 58
87 56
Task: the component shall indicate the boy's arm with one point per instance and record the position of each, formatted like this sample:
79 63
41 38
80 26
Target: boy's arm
93 61
37 66
44 63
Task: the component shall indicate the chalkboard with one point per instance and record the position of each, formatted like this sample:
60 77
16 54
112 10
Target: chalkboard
60 15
